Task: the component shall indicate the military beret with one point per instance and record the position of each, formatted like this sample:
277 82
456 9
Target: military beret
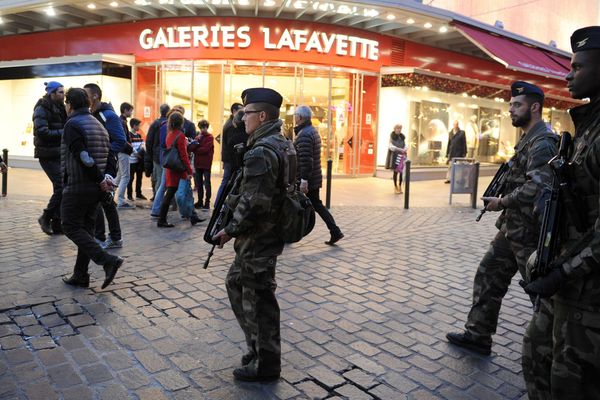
519 88
262 95
587 38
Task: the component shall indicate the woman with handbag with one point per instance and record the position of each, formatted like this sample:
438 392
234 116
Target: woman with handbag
177 166
396 156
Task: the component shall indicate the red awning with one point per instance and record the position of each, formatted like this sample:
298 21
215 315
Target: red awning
516 55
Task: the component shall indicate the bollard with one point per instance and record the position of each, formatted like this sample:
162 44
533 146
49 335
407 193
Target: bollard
406 183
328 192
5 174
474 194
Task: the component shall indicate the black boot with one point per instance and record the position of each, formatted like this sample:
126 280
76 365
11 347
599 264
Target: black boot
56 224
336 236
79 281
195 219
463 339
44 222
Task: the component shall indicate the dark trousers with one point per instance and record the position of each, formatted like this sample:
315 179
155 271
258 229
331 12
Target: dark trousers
52 169
135 170
166 203
112 216
79 213
203 184
313 195
226 175
397 178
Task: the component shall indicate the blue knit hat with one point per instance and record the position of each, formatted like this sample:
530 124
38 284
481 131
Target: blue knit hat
52 86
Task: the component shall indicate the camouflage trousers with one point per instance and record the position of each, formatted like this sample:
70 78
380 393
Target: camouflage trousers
499 264
251 288
561 353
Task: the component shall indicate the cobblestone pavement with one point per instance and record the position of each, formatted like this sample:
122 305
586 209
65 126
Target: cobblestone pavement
362 320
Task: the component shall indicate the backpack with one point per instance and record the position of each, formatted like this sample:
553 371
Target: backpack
297 217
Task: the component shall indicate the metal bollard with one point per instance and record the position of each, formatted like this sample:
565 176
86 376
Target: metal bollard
328 191
406 184
474 193
5 174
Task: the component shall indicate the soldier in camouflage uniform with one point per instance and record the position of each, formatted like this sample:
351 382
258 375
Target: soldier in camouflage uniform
518 223
561 348
256 208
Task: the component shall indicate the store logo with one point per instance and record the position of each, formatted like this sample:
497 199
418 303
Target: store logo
229 36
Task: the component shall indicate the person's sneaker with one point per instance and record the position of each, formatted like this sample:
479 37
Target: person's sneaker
141 197
194 219
463 340
154 216
110 269
73 280
335 237
112 244
126 206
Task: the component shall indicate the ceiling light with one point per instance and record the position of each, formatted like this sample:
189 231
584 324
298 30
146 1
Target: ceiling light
243 2
391 17
269 3
427 25
410 21
1 20
91 6
443 29
50 12
114 4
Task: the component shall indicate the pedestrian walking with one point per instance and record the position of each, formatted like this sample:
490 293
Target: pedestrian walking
308 150
49 117
251 278
136 161
561 347
123 157
396 156
457 146
518 223
152 167
203 148
85 159
233 133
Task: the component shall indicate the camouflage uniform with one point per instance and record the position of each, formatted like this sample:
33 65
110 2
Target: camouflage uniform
519 229
251 279
561 348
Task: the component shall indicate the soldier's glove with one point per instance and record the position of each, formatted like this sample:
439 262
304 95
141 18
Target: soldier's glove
548 285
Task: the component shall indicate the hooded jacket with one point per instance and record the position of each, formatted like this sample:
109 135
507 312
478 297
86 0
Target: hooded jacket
49 119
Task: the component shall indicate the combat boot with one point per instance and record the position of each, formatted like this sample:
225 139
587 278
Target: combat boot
248 357
464 340
250 373
45 223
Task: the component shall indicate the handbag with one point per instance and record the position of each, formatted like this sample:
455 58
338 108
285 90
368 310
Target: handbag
172 159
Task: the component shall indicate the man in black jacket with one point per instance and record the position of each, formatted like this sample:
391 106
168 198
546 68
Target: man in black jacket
234 132
84 160
308 149
457 146
49 117
152 165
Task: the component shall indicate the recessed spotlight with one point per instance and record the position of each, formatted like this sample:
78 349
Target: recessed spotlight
443 29
427 25
50 12
269 3
410 21
243 2
91 6
391 17
114 4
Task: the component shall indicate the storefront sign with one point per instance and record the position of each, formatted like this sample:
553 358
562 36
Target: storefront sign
229 36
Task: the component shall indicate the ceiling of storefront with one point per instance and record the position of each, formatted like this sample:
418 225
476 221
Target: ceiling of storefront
406 19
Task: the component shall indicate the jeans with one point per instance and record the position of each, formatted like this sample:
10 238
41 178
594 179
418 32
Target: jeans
313 195
157 172
79 213
52 169
226 175
114 225
136 170
203 183
158 196
122 177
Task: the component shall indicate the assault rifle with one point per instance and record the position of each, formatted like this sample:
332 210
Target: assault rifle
496 186
221 213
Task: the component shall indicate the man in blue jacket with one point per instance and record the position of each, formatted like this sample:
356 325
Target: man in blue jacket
106 115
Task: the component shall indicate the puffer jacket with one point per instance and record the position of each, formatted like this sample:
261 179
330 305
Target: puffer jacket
308 150
49 119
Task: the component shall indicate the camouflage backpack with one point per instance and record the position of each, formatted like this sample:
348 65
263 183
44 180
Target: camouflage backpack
297 218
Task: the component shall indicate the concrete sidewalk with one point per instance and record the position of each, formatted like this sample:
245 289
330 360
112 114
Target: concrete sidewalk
362 320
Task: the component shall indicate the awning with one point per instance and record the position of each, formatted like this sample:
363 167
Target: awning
516 55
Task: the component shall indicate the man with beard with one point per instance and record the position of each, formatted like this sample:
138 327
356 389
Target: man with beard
49 117
518 224
561 346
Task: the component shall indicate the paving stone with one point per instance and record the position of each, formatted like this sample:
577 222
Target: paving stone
43 309
114 392
204 381
351 392
11 342
96 308
118 360
171 380
25 320
28 373
77 393
52 357
312 391
34 330
40 391
70 309
96 373
151 394
185 363
361 379
134 378
84 356
18 356
81 320
150 360
326 377
51 320
63 376
43 342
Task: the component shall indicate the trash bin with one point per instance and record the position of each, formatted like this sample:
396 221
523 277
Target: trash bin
464 174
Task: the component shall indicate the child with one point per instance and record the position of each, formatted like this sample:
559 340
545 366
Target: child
136 161
203 149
